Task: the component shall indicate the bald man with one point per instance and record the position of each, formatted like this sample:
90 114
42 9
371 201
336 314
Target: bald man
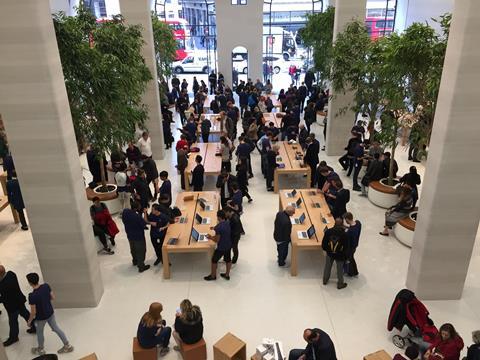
14 301
319 347
282 232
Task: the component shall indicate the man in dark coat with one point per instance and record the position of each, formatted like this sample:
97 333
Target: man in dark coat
224 182
320 347
311 158
15 198
14 301
282 233
335 244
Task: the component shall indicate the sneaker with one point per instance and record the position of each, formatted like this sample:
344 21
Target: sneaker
146 267
341 286
24 228
38 351
250 200
164 351
225 276
9 342
65 349
32 330
209 278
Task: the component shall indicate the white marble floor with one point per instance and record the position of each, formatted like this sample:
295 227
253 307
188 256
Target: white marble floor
261 300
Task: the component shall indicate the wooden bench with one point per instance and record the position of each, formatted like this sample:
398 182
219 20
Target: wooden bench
90 357
378 355
197 351
140 353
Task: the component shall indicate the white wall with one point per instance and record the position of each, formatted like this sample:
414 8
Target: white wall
410 11
239 25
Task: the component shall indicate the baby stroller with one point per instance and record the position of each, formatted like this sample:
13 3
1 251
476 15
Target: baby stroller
408 311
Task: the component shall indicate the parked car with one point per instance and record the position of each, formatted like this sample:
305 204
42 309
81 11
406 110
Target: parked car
240 63
192 63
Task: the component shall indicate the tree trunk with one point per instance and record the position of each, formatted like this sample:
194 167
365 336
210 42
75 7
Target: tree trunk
102 174
392 162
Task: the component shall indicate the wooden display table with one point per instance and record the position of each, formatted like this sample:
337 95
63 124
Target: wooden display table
272 117
211 162
292 157
230 347
378 355
320 218
188 204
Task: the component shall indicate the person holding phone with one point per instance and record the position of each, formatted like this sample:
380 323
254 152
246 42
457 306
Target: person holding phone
188 324
152 329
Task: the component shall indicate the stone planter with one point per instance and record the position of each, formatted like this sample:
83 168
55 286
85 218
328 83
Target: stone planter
405 229
110 198
382 195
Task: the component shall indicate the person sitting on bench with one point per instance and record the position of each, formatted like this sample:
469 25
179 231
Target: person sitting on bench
188 323
152 329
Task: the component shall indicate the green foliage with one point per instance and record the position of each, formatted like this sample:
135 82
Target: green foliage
165 49
318 34
105 77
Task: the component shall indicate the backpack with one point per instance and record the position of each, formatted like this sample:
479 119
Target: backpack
334 246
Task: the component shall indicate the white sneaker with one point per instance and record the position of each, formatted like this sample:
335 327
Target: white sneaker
65 349
38 351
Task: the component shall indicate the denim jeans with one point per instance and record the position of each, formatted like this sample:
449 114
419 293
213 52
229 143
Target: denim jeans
40 324
164 337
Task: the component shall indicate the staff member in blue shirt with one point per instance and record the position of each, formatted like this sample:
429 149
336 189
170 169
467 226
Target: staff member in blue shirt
224 245
236 201
354 228
135 228
158 229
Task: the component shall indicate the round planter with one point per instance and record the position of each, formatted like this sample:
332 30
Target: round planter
110 198
382 195
405 229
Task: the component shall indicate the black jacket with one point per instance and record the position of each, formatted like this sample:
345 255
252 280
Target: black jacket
311 155
340 203
231 179
323 348
10 294
236 227
197 176
374 171
190 332
338 236
283 227
473 352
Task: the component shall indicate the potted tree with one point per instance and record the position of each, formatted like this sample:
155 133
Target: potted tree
105 77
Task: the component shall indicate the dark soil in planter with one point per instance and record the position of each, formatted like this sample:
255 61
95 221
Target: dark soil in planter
385 182
106 189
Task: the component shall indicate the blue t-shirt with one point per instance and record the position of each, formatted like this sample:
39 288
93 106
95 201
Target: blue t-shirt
41 298
161 220
134 225
223 229
166 188
237 200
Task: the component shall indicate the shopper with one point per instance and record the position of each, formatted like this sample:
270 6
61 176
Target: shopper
447 345
135 228
142 191
188 324
281 233
41 310
123 186
335 244
182 163
15 198
145 145
158 229
236 230
152 330
205 126
223 249
236 201
166 188
151 175
197 174
224 182
103 224
473 352
412 180
14 301
242 178
319 347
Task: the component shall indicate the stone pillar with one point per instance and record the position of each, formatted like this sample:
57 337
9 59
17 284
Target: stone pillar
409 12
240 25
36 113
3 354
137 12
450 205
340 117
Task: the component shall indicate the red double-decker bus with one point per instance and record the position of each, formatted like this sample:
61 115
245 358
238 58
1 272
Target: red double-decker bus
181 34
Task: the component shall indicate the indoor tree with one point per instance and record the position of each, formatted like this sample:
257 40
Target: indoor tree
105 76
165 50
318 34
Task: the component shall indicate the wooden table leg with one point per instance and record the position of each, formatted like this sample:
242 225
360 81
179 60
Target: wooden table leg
309 178
275 181
166 263
294 257
187 180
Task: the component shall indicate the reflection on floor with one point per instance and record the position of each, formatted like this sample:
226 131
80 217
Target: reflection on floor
261 300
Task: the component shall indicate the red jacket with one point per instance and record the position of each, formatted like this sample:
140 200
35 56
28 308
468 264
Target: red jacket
450 349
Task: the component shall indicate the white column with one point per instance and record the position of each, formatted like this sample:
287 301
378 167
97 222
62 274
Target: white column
36 113
239 25
137 12
450 207
340 121
420 11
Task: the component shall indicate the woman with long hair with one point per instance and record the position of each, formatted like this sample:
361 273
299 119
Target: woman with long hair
446 346
188 323
152 329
